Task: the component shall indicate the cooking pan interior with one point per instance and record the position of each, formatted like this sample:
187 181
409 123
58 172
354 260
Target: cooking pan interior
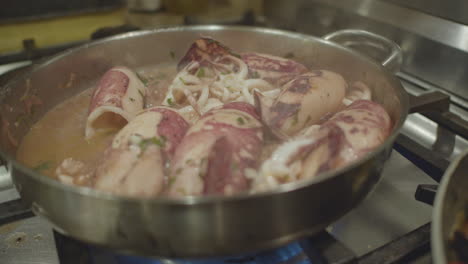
75 70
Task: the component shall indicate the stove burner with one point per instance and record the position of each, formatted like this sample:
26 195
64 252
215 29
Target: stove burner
321 248
72 251
291 253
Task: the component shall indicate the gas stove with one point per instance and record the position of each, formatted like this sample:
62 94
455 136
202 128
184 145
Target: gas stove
392 225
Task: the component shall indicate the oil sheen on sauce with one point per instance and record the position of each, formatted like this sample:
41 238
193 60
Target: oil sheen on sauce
59 134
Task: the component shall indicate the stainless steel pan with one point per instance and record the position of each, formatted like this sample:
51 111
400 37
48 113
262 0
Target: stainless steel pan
451 208
201 226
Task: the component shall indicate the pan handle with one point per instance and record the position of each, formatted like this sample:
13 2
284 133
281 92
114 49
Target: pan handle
376 46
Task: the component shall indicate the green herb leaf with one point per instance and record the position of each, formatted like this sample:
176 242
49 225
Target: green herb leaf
159 141
240 121
132 99
145 143
42 166
172 54
143 80
170 102
183 81
201 72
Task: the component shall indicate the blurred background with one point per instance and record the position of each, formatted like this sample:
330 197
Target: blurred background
433 34
56 22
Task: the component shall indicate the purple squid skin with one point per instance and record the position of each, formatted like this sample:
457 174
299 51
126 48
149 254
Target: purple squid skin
345 137
303 102
137 168
203 51
216 151
275 70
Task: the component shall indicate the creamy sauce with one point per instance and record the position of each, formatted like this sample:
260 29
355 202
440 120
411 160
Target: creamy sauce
60 133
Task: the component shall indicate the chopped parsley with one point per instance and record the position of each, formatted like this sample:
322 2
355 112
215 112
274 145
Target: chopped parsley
178 171
45 165
145 143
201 72
142 79
240 121
170 102
172 54
183 81
132 99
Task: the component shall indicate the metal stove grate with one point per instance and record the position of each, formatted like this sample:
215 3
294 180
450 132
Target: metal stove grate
290 254
71 251
319 249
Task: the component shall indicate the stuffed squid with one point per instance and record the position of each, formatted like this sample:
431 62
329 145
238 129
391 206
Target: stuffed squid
117 98
218 152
